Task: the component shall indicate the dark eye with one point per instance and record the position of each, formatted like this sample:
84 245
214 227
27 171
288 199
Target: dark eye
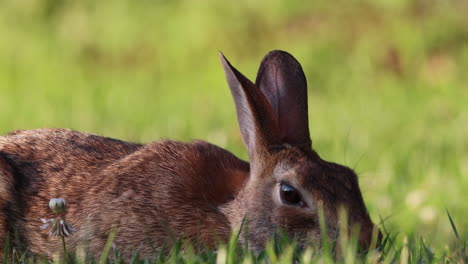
290 196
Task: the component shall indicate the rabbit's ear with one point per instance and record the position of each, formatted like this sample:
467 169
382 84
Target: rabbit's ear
254 114
282 80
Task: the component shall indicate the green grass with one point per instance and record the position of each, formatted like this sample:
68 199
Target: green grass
388 88
393 249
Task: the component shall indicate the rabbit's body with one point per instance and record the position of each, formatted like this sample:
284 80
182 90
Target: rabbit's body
152 193
155 193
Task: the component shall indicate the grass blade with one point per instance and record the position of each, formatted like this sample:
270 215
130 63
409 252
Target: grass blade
107 247
454 228
7 249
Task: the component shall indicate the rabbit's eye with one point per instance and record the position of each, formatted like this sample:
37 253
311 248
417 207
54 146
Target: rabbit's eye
290 196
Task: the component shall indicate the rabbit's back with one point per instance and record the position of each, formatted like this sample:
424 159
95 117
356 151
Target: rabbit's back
37 165
152 192
163 191
62 152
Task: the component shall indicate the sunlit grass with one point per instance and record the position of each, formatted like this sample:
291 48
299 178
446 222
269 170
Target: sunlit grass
393 249
388 88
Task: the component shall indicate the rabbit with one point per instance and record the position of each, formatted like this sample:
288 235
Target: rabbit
154 193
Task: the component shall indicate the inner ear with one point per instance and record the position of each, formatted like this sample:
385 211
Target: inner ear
282 81
254 113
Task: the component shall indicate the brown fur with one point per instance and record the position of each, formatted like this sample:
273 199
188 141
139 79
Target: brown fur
157 192
149 191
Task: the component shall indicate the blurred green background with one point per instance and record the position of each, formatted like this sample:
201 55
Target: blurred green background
388 84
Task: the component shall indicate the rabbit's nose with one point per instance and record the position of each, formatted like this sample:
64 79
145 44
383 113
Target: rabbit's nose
370 237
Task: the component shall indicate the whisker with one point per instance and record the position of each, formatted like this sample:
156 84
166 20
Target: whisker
359 160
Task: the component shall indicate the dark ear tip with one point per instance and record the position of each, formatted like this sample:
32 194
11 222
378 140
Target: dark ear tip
225 63
280 57
223 59
278 53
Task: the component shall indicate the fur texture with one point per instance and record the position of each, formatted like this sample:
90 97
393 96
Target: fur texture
154 193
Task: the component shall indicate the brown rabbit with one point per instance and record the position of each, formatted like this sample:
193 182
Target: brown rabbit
156 192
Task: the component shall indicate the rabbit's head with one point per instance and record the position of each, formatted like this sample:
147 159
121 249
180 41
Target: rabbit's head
289 184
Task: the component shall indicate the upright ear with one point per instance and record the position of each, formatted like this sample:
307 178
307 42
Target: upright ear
282 81
255 116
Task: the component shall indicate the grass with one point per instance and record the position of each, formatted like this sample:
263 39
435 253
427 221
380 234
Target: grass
393 249
387 89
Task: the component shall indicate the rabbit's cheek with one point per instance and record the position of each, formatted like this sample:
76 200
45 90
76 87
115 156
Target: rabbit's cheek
298 224
291 216
312 237
260 230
